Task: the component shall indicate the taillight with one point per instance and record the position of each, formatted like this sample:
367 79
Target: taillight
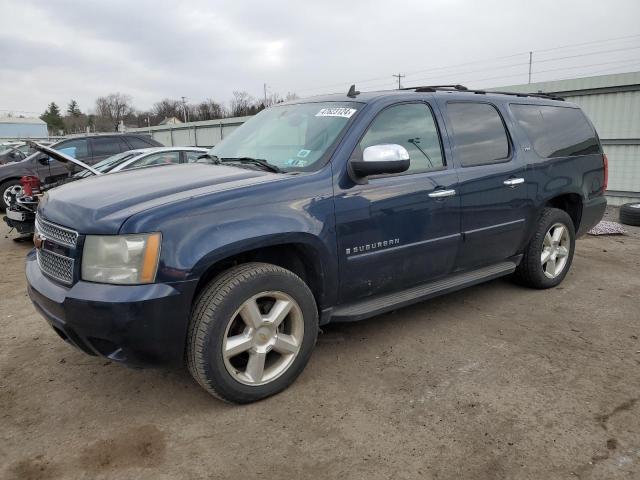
30 185
605 161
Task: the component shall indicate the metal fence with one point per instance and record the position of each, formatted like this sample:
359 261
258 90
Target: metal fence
200 134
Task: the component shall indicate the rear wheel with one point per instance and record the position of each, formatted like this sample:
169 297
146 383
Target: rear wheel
9 190
252 331
548 256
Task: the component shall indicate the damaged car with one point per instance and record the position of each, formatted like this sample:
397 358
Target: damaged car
20 214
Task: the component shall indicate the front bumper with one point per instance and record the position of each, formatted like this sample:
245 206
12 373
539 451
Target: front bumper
22 221
138 325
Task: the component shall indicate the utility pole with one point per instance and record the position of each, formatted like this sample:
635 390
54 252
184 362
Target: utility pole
184 109
530 62
399 76
265 95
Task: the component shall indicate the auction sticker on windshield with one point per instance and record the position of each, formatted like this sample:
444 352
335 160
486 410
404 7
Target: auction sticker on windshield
336 112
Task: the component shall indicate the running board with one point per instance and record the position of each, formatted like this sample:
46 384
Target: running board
370 307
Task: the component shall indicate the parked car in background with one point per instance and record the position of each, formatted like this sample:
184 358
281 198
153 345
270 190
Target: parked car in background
89 149
17 151
329 209
21 211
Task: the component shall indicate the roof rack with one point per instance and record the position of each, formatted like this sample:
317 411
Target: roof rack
462 88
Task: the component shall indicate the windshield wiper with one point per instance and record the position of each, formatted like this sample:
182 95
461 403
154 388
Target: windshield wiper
255 161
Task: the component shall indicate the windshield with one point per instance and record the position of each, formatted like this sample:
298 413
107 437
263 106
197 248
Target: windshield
291 137
108 163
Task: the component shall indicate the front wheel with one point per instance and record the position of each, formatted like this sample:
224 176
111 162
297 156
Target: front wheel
9 190
548 256
251 333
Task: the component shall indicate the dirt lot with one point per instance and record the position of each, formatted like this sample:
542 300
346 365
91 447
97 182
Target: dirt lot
493 382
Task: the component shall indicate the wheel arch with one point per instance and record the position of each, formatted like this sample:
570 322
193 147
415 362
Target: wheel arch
299 254
571 203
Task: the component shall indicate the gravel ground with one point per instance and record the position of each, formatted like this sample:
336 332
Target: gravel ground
493 382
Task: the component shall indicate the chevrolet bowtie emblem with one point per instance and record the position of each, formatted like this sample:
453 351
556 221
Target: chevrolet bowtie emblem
38 240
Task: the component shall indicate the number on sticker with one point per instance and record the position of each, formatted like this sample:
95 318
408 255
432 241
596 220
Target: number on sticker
336 112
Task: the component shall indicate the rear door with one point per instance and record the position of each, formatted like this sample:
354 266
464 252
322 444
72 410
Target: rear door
395 231
494 204
103 147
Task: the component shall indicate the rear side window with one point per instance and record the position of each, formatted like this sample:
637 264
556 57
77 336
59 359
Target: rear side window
411 125
556 131
105 146
137 142
479 135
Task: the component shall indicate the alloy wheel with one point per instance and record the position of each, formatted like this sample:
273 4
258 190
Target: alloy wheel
13 191
555 250
263 338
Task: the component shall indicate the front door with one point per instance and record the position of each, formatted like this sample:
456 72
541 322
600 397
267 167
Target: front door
51 170
399 230
493 191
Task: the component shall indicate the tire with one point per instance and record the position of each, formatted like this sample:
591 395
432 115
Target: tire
532 272
630 214
224 319
4 190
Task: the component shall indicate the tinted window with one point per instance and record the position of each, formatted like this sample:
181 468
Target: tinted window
556 131
124 146
137 142
161 158
105 146
412 126
74 148
479 136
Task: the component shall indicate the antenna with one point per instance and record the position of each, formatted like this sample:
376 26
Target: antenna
353 93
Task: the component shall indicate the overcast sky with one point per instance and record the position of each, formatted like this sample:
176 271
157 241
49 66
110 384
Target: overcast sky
55 50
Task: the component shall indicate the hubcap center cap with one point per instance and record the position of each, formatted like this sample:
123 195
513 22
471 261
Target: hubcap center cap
264 336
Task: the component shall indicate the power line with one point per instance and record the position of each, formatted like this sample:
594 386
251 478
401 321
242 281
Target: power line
485 60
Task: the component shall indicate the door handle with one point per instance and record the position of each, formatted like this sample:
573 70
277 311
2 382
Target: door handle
442 193
513 182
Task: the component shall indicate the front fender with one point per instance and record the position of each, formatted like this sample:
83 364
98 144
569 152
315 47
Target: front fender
199 232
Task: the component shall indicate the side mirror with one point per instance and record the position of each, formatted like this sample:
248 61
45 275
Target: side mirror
380 159
44 160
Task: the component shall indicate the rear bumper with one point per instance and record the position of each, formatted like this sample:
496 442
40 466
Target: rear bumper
137 325
592 213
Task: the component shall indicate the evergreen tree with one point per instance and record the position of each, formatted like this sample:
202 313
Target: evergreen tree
73 109
53 119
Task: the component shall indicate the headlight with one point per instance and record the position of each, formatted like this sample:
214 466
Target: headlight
121 259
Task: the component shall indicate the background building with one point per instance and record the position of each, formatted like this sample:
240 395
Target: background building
22 127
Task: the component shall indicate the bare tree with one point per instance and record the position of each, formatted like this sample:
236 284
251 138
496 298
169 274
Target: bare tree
207 110
167 108
241 104
115 107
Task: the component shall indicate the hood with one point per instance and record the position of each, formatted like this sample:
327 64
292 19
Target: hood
101 204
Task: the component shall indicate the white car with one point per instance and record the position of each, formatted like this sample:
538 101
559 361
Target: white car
145 157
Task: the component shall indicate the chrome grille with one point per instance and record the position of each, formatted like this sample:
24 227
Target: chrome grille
56 233
56 266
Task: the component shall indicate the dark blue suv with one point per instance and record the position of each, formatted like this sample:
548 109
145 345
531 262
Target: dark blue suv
328 209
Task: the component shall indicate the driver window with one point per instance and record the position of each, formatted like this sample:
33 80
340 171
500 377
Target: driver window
411 125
